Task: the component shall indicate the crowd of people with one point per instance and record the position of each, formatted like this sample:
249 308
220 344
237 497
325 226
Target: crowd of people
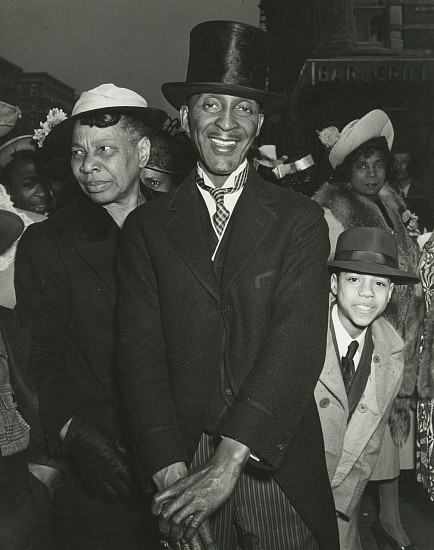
203 345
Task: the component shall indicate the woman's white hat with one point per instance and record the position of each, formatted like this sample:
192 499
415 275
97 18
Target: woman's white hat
106 97
375 124
20 143
9 114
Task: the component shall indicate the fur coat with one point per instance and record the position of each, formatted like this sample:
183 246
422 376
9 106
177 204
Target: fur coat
425 381
352 209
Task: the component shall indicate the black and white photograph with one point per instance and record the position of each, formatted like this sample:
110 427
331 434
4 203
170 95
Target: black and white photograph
217 275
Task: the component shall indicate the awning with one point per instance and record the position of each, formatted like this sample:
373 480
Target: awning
348 79
366 70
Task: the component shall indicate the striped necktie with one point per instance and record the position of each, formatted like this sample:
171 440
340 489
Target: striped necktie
222 214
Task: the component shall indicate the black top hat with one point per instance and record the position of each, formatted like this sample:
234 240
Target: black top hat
370 250
11 227
229 58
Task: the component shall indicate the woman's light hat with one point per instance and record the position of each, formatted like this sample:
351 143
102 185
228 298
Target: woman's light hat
9 114
20 143
108 96
104 98
375 124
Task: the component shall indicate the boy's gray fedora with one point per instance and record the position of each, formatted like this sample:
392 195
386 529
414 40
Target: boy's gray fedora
370 250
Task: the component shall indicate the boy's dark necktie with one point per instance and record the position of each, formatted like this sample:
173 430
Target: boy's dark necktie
347 365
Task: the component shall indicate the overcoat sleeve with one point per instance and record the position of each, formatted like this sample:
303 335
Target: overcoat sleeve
43 306
143 364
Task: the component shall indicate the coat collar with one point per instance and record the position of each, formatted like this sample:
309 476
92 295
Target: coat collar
388 368
250 222
95 219
101 241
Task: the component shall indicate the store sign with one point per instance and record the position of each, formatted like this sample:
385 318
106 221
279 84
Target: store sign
369 70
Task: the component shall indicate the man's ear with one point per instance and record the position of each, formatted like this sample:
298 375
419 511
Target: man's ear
144 147
334 284
183 115
260 123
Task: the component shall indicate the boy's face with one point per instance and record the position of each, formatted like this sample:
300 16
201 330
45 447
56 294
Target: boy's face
361 298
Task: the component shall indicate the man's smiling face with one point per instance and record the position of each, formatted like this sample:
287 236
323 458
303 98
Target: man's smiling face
222 128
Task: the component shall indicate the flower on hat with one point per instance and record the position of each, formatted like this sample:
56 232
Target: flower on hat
410 221
329 136
54 117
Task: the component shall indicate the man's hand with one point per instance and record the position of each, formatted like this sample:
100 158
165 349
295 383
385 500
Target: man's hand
185 506
164 479
170 475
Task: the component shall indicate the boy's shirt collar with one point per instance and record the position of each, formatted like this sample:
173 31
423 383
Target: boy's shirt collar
343 339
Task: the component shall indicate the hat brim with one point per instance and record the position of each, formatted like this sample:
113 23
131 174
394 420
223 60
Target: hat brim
370 268
11 227
60 135
20 143
374 124
177 92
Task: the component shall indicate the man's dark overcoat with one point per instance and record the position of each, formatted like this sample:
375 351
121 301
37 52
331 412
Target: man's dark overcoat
233 347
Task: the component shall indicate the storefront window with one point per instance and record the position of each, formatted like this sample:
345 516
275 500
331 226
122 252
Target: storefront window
370 26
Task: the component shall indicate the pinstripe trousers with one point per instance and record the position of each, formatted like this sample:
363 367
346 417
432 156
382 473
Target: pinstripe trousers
257 516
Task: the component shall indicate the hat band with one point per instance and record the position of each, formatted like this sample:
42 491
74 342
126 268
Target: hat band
365 256
304 163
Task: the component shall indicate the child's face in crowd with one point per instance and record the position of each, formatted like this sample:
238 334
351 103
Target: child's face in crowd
27 189
361 298
158 181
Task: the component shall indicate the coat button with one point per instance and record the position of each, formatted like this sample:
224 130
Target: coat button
228 391
325 402
220 263
376 359
362 408
281 444
228 310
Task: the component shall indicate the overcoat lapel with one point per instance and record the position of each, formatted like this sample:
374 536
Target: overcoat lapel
250 223
331 375
186 232
102 257
101 240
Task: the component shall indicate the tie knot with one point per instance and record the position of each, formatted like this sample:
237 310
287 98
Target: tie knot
352 348
218 193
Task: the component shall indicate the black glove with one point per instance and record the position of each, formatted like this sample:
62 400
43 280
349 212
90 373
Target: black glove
96 460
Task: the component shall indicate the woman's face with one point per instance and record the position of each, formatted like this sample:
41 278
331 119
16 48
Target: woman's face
368 174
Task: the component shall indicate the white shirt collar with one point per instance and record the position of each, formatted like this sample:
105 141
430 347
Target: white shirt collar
230 182
343 339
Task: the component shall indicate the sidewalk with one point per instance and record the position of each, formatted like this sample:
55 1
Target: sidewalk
416 509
